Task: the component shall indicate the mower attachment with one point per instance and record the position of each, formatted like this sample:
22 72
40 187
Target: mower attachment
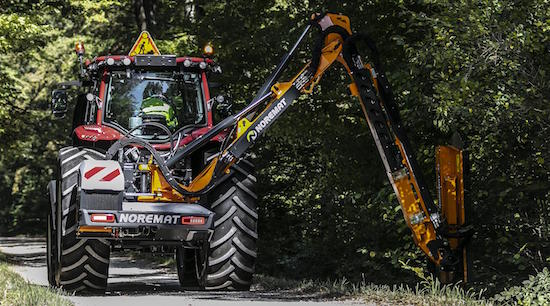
450 188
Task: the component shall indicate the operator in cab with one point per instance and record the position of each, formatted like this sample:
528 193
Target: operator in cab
157 108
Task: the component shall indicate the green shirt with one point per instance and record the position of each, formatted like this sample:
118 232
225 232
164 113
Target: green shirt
156 106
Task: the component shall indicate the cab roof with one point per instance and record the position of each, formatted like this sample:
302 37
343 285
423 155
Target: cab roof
152 62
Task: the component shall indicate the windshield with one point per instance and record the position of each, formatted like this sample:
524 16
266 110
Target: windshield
171 99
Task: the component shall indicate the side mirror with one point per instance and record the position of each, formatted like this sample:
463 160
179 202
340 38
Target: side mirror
59 103
223 106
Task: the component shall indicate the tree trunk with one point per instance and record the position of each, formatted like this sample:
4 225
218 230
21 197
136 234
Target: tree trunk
145 14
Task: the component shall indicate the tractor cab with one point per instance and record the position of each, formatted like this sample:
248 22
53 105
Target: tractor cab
172 99
148 95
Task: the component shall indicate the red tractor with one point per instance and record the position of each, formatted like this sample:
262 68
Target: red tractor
148 170
165 102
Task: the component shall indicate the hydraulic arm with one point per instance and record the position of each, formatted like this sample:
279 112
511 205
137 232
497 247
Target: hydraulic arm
427 220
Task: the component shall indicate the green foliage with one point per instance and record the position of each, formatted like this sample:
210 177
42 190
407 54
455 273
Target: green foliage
534 291
480 68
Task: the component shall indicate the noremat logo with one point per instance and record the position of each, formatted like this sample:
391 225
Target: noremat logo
250 136
149 218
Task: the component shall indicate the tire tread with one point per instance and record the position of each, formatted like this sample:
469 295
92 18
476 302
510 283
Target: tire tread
233 246
84 265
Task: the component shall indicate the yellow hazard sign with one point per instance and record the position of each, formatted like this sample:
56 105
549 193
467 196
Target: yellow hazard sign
144 45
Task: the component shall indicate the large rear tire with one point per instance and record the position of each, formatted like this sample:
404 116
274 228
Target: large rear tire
232 252
80 265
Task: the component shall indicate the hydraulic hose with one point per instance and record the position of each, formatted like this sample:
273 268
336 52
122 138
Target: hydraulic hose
159 159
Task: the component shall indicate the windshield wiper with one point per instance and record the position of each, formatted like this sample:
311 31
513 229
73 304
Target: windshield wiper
156 79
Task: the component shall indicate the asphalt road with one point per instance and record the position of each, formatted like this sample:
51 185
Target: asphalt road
138 282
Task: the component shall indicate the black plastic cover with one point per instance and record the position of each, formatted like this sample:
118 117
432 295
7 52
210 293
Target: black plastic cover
155 60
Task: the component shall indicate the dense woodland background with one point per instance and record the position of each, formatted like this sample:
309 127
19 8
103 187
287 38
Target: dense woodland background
481 68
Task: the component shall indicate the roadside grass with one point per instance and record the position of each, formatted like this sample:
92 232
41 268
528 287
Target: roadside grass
14 290
427 292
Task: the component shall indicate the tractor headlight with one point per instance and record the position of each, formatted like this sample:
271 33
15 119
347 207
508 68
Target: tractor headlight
208 50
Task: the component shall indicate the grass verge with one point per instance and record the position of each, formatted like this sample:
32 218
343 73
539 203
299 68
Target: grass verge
14 290
427 292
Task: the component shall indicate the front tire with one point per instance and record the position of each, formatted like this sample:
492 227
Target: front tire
81 264
186 264
50 247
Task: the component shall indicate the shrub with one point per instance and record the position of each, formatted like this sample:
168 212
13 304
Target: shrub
535 291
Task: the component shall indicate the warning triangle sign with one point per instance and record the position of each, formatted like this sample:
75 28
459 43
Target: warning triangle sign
144 45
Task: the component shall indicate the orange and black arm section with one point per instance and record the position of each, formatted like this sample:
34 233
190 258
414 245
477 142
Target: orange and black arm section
421 214
439 230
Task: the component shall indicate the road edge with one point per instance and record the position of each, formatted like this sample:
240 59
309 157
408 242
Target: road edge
17 291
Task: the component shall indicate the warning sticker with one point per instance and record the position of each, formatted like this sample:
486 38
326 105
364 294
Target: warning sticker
144 45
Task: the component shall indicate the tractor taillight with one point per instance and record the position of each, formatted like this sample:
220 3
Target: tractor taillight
193 220
104 218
